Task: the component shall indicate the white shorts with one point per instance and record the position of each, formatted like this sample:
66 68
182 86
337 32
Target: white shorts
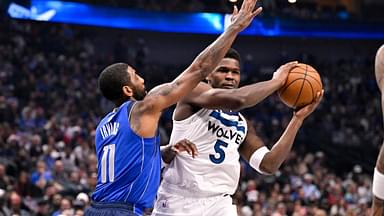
176 205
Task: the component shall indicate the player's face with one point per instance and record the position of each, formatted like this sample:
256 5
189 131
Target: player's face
226 74
138 86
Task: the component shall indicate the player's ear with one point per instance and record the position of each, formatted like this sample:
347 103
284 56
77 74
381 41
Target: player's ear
127 91
208 79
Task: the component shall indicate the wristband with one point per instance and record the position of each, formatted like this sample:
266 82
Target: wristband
378 184
257 157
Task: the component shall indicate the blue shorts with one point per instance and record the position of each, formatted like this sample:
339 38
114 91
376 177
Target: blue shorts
112 209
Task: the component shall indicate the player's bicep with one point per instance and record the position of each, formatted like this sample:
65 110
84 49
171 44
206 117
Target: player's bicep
251 143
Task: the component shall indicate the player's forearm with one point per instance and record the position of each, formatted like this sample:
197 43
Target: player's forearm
377 203
210 57
167 153
377 207
203 65
280 151
251 95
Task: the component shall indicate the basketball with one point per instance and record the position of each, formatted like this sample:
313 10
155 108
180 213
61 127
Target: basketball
301 87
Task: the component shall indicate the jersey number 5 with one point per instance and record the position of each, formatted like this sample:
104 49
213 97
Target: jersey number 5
108 152
219 149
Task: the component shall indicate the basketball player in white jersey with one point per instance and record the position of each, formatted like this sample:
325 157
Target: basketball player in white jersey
207 117
378 177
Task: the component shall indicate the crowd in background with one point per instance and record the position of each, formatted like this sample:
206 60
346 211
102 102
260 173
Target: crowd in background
50 106
302 9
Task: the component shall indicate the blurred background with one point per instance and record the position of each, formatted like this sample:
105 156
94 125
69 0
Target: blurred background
51 53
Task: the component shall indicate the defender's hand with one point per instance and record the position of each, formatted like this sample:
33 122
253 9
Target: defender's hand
185 145
241 19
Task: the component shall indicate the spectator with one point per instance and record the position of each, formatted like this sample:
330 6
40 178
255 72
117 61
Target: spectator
41 177
15 204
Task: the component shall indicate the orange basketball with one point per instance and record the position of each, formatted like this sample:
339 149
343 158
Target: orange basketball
301 87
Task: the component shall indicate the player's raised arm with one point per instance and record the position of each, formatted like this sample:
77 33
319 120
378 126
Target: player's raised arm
237 98
148 111
167 94
268 161
378 178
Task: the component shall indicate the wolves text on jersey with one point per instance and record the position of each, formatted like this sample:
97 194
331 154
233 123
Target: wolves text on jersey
224 132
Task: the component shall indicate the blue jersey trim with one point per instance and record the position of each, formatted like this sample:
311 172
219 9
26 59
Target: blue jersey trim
227 122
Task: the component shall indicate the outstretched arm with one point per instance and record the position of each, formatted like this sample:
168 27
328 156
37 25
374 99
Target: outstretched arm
168 94
165 95
236 99
378 199
266 161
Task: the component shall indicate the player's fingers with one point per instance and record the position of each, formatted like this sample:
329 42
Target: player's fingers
235 11
288 66
245 4
291 64
319 96
252 5
186 147
257 11
193 148
249 5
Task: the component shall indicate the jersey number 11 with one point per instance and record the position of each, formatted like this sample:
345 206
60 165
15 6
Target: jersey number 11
108 152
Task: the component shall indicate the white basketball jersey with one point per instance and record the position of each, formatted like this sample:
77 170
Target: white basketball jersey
216 169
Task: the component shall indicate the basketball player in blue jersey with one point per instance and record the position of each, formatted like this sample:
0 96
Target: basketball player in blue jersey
208 117
127 139
378 176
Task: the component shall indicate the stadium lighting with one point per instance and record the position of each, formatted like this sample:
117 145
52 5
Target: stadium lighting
292 1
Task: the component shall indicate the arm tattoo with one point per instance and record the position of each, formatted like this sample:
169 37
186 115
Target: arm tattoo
212 55
165 90
168 88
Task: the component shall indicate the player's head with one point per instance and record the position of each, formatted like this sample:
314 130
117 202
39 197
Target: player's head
119 82
227 73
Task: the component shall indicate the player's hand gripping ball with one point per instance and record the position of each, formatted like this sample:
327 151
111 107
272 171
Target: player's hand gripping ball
302 84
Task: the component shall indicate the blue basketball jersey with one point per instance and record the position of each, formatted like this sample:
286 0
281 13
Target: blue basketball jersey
128 165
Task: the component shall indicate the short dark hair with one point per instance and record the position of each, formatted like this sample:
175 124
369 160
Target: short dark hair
233 54
112 79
